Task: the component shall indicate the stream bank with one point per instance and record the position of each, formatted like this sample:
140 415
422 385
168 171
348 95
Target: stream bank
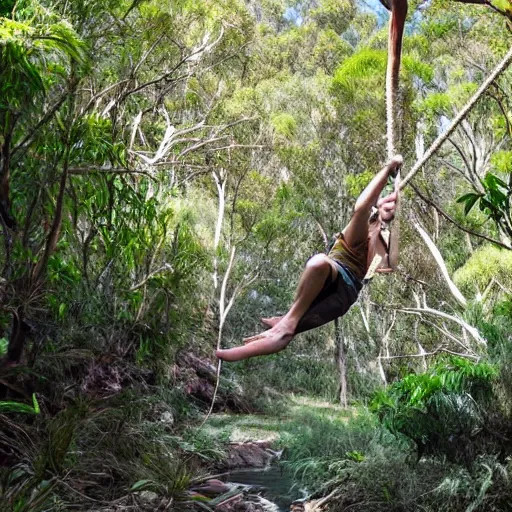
252 478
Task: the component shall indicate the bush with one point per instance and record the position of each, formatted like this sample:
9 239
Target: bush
445 411
368 469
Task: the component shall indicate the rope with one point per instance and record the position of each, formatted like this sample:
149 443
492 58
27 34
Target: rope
395 35
500 68
215 391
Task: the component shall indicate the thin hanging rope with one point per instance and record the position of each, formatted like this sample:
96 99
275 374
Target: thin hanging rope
223 312
500 68
215 391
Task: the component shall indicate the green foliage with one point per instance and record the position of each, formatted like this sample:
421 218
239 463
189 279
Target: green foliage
7 7
439 28
501 161
334 14
365 64
494 201
441 410
368 465
27 48
284 124
244 101
4 342
324 445
100 442
371 64
17 407
417 68
486 263
436 104
356 183
293 375
503 6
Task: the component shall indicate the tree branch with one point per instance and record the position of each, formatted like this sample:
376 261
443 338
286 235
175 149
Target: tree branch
487 3
441 264
455 223
166 266
105 170
430 354
434 312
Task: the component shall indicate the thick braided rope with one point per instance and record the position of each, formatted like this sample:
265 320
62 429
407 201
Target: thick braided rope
391 93
500 68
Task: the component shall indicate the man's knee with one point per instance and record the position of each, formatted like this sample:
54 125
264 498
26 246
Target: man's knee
319 262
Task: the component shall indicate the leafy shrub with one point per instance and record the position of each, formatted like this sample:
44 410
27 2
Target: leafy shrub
325 445
443 411
486 263
366 468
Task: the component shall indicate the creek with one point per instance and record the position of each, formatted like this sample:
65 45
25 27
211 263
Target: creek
274 483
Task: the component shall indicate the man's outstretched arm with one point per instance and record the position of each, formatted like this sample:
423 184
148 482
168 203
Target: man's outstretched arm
356 231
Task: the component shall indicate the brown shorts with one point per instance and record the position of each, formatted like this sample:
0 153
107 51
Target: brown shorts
333 301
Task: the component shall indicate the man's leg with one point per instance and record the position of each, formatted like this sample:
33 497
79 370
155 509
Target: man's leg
357 228
318 269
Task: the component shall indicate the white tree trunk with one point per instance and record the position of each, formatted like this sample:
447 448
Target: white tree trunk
441 264
220 181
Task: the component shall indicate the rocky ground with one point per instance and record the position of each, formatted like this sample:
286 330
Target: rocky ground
255 442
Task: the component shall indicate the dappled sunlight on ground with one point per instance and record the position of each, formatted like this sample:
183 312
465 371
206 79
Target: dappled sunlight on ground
237 428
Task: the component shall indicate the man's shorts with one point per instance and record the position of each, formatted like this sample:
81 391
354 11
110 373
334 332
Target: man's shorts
333 301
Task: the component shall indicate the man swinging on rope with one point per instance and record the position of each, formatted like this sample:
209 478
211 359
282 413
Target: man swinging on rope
331 283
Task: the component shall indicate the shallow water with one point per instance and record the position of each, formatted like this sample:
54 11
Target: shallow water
273 483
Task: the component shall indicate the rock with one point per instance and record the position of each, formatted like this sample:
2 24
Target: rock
240 505
248 455
167 418
248 506
148 495
229 504
211 488
197 377
265 505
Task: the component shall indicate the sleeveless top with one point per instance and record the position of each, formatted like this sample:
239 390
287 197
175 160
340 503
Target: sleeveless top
359 258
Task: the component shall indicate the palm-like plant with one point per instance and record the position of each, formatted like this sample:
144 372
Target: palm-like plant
37 50
30 46
443 410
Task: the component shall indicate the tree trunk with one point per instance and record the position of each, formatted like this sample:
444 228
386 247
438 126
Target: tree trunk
19 332
341 361
441 264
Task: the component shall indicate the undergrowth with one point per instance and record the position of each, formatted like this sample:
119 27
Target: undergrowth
103 451
431 444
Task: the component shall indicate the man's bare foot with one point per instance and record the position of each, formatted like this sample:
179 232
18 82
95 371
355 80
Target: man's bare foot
267 322
267 342
256 337
272 321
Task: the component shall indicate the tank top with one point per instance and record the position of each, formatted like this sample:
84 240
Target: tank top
359 258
